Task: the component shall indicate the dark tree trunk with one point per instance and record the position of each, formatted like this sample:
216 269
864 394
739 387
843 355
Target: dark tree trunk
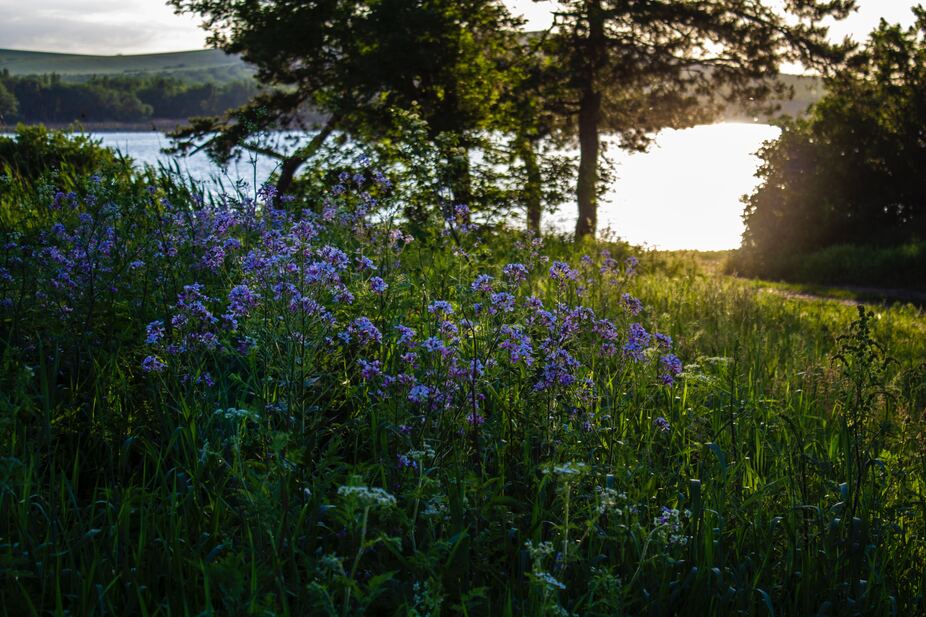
459 175
533 190
288 172
587 185
593 48
291 164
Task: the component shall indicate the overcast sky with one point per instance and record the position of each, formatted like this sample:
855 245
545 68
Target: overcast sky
148 26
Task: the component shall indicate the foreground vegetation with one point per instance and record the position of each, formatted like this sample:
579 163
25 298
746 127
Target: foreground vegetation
264 406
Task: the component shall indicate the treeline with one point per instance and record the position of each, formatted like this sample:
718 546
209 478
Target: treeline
51 99
842 197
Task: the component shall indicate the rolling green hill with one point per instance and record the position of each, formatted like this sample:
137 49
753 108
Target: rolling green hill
201 65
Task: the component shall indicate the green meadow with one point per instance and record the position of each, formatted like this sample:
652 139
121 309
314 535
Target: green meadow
252 406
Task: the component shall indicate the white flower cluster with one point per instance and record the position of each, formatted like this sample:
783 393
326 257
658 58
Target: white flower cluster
670 527
547 580
436 506
370 497
237 415
610 501
538 552
420 455
567 469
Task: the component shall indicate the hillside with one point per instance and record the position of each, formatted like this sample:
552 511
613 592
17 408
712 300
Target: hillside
200 65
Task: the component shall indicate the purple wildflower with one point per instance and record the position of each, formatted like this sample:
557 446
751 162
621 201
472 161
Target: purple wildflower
483 283
440 306
154 332
561 272
419 394
241 300
365 331
370 370
152 364
378 285
633 304
406 335
637 341
502 302
672 368
515 273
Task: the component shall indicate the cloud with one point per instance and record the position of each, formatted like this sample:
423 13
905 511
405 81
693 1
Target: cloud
97 26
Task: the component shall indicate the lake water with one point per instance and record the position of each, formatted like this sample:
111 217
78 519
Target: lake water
682 194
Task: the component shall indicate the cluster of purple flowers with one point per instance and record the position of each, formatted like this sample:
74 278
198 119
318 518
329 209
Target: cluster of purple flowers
272 276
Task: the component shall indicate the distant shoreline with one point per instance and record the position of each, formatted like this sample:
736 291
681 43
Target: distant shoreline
158 125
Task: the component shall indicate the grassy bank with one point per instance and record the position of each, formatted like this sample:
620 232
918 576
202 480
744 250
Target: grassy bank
219 408
897 267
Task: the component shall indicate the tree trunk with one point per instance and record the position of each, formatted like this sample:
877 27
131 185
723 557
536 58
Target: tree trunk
533 189
459 175
594 49
587 185
291 164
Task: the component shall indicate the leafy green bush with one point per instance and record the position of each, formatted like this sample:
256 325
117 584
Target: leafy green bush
900 266
850 173
34 151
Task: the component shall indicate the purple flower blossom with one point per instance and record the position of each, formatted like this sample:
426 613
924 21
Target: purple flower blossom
502 302
662 424
241 300
515 273
672 368
517 344
365 264
370 370
638 340
404 461
475 419
365 331
634 306
663 340
152 364
561 272
440 306
406 335
483 283
154 332
559 370
334 256
434 344
419 394
378 285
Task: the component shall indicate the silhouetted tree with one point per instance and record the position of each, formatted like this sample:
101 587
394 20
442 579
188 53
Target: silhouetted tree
630 61
353 61
852 171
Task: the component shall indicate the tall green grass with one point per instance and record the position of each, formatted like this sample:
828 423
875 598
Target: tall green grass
781 475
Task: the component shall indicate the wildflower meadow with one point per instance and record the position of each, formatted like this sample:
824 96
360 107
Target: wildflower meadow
224 405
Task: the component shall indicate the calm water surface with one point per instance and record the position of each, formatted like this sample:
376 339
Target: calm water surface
684 193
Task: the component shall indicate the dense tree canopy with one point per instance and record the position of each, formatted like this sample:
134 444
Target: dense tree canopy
852 171
8 103
626 67
635 66
49 98
355 62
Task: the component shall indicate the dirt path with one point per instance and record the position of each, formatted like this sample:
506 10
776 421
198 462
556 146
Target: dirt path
861 295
